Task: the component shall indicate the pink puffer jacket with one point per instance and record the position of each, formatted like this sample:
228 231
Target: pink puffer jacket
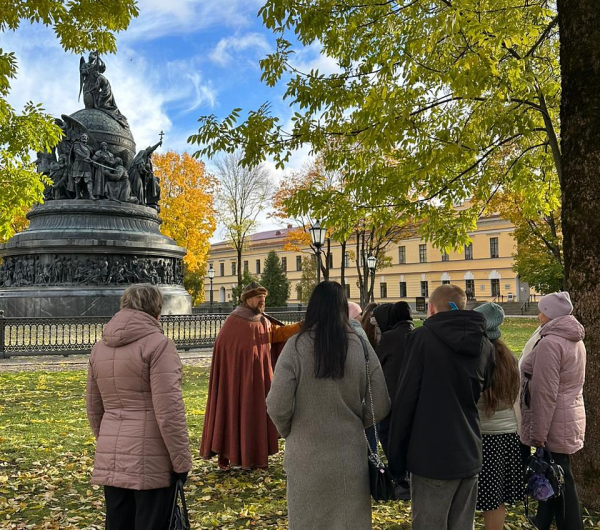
134 405
555 414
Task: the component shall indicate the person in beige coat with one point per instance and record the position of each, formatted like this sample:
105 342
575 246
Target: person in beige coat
320 404
136 412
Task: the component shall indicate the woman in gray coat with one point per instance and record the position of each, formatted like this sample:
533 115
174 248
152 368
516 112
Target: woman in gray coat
320 404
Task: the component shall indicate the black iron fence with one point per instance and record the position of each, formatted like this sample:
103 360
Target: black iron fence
76 335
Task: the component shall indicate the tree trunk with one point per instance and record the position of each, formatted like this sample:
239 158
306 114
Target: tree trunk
343 264
327 260
579 22
240 272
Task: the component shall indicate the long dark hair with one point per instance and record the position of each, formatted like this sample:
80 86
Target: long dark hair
505 381
327 323
365 322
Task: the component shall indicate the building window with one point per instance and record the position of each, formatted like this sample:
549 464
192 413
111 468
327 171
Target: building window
257 266
298 263
495 287
494 247
402 254
347 288
445 256
402 289
425 289
330 261
470 289
245 266
346 259
233 268
469 251
445 282
222 269
284 264
383 290
422 253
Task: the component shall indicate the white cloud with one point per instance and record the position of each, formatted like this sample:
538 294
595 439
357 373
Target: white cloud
144 92
176 17
312 58
222 53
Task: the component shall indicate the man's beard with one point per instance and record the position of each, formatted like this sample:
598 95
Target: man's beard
258 309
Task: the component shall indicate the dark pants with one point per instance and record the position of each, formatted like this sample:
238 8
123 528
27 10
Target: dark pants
370 432
443 504
128 509
565 509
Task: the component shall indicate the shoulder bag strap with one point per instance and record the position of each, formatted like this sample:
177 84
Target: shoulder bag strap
370 390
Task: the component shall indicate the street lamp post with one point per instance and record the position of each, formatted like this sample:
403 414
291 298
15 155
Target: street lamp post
211 275
318 234
372 263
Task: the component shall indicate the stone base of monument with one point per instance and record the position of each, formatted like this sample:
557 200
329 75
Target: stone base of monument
78 256
82 301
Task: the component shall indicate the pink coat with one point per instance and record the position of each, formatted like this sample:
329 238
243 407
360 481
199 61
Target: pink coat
556 413
134 405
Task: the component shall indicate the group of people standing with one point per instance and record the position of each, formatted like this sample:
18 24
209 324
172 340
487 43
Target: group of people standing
455 413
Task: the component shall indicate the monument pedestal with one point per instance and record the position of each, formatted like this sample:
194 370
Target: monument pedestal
78 256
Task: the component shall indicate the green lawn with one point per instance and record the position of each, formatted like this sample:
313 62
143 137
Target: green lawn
46 455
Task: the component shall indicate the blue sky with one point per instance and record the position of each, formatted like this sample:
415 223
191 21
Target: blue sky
178 60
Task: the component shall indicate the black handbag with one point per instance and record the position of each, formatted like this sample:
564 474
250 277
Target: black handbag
179 514
381 481
544 479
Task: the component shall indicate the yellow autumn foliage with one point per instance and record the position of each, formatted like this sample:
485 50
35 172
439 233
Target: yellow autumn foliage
187 212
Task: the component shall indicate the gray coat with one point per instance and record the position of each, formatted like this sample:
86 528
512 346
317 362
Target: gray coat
323 421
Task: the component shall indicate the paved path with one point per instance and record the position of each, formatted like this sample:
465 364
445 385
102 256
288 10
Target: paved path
58 363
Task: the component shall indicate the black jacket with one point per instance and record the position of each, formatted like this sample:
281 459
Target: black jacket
434 429
391 350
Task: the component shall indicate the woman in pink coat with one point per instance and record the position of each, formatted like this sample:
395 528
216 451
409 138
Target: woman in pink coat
552 409
136 412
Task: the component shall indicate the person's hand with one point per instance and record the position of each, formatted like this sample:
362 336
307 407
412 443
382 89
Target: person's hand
181 476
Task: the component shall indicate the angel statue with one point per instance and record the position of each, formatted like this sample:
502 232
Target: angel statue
97 93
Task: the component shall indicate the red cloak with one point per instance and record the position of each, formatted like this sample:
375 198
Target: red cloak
236 425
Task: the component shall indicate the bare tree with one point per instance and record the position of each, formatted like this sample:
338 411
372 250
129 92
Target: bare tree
242 194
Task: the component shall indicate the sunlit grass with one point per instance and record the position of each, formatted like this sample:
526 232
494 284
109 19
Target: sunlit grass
46 457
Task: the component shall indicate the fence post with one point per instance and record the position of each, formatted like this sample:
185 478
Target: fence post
2 322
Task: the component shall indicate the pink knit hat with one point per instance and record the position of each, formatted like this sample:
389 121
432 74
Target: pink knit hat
353 309
556 305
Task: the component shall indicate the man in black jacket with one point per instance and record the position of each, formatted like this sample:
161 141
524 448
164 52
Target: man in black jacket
434 431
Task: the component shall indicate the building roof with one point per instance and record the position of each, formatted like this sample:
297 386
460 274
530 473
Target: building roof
263 236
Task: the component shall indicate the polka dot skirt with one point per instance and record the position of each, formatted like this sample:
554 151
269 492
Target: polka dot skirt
501 478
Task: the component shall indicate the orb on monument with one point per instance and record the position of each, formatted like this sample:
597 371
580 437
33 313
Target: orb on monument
106 128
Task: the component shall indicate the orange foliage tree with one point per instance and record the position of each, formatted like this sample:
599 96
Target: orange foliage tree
187 212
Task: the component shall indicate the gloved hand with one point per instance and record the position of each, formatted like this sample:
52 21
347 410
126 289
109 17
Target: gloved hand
180 476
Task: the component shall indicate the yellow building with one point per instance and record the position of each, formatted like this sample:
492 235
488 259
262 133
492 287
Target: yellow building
483 269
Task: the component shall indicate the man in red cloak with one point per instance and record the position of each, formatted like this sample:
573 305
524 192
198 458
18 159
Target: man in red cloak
236 425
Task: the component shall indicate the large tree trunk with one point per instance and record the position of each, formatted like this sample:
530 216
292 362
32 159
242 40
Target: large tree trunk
579 22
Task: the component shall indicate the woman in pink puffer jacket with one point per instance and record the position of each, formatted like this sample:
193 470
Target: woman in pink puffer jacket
135 408
552 409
